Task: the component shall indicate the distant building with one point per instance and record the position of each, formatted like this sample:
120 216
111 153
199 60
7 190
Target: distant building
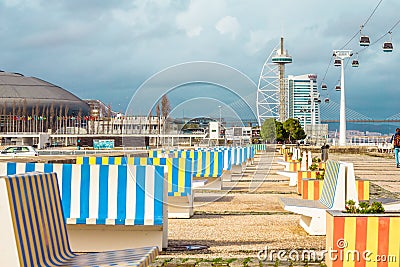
238 135
304 99
31 96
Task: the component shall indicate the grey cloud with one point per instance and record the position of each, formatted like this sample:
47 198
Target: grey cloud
106 49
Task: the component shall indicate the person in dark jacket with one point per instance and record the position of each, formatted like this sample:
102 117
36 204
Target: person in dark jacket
396 146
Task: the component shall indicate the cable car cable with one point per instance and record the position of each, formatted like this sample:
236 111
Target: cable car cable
380 38
352 38
363 25
372 13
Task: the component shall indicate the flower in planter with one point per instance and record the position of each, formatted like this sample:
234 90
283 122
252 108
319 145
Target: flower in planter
313 167
319 175
316 159
364 207
300 159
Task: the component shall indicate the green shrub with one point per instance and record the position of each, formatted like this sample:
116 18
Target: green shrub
316 159
313 167
364 207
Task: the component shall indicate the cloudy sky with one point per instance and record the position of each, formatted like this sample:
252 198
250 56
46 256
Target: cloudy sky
106 49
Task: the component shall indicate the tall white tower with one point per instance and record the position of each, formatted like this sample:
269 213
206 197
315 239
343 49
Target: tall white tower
342 54
272 89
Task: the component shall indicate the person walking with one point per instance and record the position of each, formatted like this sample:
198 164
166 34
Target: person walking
396 146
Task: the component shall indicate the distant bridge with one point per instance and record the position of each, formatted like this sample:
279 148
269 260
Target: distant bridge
330 114
363 121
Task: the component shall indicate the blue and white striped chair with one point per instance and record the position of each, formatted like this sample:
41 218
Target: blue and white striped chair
108 207
180 195
33 230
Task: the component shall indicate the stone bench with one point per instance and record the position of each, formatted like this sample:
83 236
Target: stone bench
33 230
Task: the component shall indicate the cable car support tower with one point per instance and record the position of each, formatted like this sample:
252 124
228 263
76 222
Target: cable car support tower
272 91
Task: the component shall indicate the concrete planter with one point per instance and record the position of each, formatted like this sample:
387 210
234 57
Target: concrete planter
294 166
311 189
287 157
302 175
284 151
362 239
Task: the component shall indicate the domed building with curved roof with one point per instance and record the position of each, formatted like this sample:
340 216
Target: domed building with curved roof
33 95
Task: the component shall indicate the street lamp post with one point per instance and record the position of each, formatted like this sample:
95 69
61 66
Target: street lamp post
220 121
342 54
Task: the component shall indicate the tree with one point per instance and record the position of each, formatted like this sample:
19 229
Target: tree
268 130
293 127
281 134
165 106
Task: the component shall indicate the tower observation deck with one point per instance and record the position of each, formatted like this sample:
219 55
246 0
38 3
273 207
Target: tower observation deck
281 58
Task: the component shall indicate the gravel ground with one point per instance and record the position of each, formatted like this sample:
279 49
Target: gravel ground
232 226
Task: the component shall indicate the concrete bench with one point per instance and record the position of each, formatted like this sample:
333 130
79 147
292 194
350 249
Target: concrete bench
33 230
296 154
291 170
214 164
250 152
180 191
385 148
108 207
339 186
238 160
227 165
206 164
295 173
235 160
207 168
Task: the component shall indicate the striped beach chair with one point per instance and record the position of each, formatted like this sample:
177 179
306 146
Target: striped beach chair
335 191
33 230
180 191
226 161
259 148
108 207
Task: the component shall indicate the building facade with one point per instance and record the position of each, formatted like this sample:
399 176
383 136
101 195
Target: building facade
304 99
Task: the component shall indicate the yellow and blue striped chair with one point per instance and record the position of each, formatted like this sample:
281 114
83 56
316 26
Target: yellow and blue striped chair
33 230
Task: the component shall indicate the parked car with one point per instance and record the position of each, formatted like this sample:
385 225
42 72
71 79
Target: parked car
19 151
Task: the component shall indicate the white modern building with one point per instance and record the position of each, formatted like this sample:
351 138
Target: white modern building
304 99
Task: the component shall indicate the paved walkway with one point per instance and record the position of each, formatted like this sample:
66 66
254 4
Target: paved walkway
235 224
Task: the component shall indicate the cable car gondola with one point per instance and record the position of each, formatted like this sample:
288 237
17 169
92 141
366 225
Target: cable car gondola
355 63
387 47
337 88
326 100
324 86
337 63
364 40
